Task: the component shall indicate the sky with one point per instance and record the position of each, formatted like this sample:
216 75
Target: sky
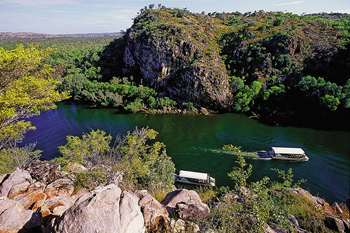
102 16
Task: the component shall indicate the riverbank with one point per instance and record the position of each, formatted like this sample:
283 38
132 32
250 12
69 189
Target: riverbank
42 199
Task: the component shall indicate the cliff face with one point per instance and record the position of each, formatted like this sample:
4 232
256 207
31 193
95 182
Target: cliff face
179 58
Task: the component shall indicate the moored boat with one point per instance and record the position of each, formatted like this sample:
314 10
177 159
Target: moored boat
194 178
284 153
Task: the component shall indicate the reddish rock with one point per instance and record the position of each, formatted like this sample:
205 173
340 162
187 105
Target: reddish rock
186 203
18 189
45 172
155 214
64 201
63 186
36 187
32 200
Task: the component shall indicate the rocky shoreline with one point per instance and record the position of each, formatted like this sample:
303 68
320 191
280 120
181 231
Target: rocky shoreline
42 199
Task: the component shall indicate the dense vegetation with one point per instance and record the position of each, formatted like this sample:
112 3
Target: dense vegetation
281 67
95 160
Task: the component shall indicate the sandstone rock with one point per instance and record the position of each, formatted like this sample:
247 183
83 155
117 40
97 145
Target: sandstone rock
186 203
279 229
3 177
64 201
318 201
346 225
18 189
300 191
36 187
294 220
6 204
204 111
180 226
337 208
32 200
155 214
19 180
335 224
81 192
268 229
102 210
166 65
45 172
16 219
62 186
131 218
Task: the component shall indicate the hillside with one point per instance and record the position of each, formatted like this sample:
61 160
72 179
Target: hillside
264 62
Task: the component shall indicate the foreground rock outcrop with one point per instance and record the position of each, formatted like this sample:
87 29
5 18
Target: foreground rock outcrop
47 204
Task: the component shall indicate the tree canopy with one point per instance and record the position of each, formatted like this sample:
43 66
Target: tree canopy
27 87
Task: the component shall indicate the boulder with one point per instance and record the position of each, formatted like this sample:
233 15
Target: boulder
32 200
19 180
186 203
102 210
62 186
45 172
16 218
36 187
335 224
178 226
155 214
300 191
81 192
181 226
6 204
131 218
18 189
204 111
56 206
3 177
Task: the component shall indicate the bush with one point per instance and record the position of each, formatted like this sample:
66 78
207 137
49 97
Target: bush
143 164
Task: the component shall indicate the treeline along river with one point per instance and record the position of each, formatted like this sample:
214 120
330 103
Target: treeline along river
195 142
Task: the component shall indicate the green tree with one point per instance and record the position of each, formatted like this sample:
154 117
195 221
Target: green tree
330 102
27 87
91 147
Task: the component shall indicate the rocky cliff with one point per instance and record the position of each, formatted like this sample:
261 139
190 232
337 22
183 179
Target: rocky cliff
178 56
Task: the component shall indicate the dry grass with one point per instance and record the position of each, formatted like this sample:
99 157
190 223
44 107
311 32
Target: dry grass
158 192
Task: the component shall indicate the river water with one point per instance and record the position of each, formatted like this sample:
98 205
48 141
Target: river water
195 142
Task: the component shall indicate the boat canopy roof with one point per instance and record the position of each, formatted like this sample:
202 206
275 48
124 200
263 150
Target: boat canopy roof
194 175
288 150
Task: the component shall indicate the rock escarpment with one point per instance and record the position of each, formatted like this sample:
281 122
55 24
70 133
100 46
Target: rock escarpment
26 206
178 57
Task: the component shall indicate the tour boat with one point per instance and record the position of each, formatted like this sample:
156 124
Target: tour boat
195 178
284 153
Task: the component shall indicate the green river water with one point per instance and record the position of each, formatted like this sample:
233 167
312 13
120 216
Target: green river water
195 142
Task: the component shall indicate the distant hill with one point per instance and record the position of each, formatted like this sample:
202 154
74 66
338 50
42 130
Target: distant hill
30 35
